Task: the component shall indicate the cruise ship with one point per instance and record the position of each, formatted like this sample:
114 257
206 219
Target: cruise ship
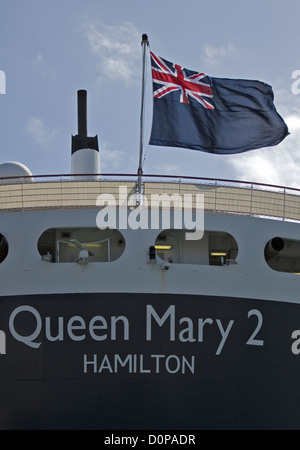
117 315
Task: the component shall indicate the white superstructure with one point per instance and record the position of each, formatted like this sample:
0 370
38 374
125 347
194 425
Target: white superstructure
41 221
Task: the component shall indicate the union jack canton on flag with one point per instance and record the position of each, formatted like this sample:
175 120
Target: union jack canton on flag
214 115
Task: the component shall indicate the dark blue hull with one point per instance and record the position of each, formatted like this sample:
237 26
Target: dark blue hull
148 361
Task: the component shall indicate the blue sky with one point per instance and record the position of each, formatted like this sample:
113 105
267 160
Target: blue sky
50 49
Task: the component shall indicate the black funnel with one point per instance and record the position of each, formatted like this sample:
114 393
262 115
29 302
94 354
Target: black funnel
82 112
81 140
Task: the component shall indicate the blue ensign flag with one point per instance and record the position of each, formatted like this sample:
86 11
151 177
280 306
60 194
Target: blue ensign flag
214 115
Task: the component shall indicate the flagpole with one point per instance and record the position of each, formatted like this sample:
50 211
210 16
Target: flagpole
145 44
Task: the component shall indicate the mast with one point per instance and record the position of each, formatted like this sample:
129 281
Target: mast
145 44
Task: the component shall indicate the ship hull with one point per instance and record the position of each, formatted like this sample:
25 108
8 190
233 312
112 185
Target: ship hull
148 361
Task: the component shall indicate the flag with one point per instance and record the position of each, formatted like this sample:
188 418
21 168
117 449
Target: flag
214 115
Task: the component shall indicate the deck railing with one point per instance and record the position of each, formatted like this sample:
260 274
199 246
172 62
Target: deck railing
227 196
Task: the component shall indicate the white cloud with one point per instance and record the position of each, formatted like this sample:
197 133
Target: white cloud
214 56
168 169
111 160
293 122
40 63
38 131
117 48
278 165
39 60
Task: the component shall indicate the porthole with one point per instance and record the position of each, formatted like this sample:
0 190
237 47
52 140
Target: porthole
65 245
216 248
283 255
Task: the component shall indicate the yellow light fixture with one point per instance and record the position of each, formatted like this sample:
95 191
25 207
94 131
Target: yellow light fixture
218 254
163 247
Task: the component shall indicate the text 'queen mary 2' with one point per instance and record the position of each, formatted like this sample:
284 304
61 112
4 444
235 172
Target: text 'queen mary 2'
138 324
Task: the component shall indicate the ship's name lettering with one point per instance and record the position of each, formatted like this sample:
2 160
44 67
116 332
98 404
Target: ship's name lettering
195 333
143 364
98 328
188 332
166 325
